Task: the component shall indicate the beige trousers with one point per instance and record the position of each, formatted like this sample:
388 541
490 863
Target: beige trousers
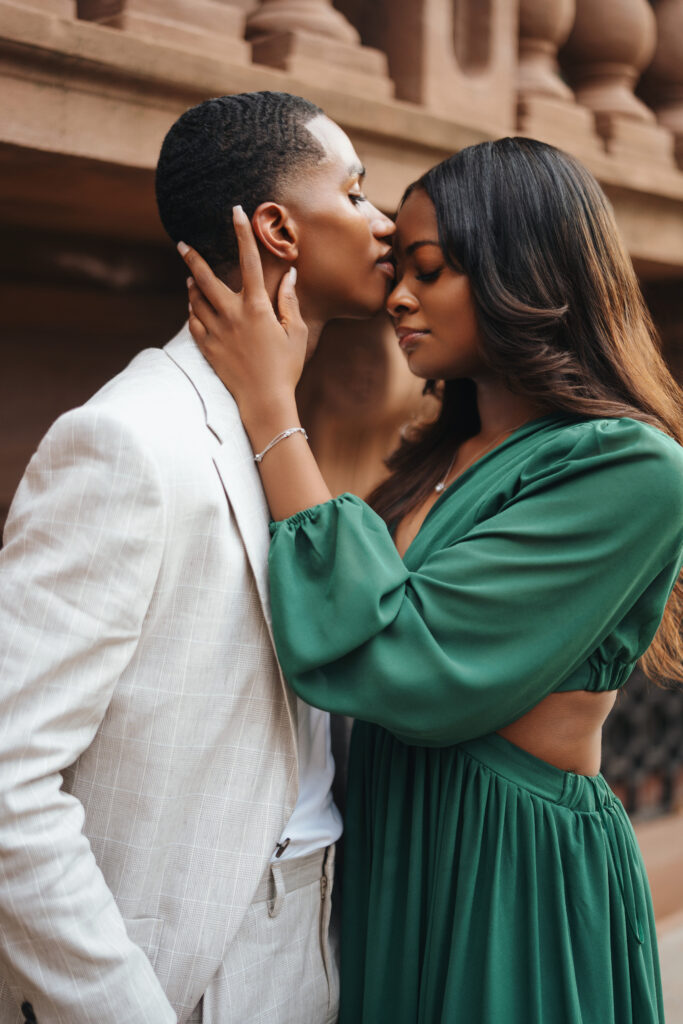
281 967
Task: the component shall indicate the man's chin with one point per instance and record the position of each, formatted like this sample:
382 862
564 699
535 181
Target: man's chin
364 312
366 303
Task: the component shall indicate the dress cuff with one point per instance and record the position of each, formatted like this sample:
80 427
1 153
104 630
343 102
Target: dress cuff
314 513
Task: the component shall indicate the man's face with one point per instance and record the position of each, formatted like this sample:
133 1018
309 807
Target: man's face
344 266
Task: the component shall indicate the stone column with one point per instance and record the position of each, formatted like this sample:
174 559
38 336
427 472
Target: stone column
315 42
662 83
457 58
610 44
546 107
212 27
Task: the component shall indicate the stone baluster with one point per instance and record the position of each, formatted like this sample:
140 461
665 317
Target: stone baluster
662 83
211 27
543 26
610 44
456 58
314 42
546 107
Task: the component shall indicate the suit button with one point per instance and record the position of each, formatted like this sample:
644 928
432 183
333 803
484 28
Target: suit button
28 1013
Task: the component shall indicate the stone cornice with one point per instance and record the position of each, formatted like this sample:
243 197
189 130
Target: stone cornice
86 91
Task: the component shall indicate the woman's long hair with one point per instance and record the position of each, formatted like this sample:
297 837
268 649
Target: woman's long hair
561 318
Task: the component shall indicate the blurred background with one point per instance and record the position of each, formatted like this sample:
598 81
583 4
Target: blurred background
88 278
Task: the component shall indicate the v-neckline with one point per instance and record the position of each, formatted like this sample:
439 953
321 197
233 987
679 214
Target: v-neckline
528 427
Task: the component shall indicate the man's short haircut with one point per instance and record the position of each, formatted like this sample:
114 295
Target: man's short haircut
227 151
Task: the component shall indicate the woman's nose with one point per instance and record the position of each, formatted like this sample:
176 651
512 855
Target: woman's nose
400 301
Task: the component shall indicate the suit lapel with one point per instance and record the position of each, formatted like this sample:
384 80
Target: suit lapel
234 459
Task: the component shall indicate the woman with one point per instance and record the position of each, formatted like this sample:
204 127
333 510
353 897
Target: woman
478 620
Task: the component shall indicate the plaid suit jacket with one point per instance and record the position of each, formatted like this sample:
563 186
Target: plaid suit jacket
147 740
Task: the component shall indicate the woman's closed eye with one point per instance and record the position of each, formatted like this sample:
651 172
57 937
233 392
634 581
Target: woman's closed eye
428 275
357 198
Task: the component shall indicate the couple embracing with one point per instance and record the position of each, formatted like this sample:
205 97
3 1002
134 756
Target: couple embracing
183 602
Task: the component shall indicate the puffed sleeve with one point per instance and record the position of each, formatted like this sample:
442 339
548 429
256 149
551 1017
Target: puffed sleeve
490 624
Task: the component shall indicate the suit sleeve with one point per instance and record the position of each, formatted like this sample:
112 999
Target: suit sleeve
573 568
82 552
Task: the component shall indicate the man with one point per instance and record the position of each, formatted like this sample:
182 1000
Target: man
166 825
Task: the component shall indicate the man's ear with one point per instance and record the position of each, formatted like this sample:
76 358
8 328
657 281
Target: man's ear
276 230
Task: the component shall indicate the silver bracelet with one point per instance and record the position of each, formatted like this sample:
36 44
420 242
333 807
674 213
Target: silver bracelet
280 437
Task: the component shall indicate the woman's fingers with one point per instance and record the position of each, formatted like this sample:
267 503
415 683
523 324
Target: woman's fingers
217 293
200 307
253 284
197 329
220 297
288 308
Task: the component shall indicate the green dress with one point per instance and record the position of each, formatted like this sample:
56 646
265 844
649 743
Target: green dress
482 885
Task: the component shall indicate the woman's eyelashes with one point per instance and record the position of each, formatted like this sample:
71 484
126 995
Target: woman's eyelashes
357 198
426 276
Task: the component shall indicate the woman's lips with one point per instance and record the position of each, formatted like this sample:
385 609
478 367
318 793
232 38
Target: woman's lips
408 337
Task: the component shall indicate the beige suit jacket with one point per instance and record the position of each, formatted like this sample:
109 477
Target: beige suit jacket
147 740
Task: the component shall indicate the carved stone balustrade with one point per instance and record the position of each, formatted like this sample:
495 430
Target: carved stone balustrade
662 84
213 27
452 57
610 44
546 107
315 42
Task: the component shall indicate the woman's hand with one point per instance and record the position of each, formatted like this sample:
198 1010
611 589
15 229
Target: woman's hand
259 358
258 354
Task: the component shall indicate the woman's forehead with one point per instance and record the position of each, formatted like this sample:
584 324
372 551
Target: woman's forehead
416 224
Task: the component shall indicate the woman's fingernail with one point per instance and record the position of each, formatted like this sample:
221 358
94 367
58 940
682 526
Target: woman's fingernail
238 213
183 249
189 282
292 276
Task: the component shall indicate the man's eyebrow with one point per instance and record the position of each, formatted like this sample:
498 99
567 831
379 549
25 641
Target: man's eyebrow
418 245
356 171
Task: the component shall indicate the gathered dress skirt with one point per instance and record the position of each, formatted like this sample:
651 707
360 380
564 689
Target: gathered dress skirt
484 886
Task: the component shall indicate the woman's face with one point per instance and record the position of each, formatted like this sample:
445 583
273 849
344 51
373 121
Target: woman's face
431 304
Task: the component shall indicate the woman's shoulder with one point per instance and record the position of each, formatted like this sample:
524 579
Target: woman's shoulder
611 439
608 459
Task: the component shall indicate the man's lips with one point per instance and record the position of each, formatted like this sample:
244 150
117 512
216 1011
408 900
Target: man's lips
385 264
408 336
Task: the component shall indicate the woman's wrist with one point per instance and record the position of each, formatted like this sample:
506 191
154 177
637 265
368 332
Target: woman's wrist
282 436
266 418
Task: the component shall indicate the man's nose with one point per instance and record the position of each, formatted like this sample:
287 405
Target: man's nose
381 225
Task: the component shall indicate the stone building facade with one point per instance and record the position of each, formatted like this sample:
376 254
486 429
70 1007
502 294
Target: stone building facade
89 87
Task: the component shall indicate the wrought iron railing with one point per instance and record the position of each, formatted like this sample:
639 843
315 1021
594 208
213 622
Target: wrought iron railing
643 747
